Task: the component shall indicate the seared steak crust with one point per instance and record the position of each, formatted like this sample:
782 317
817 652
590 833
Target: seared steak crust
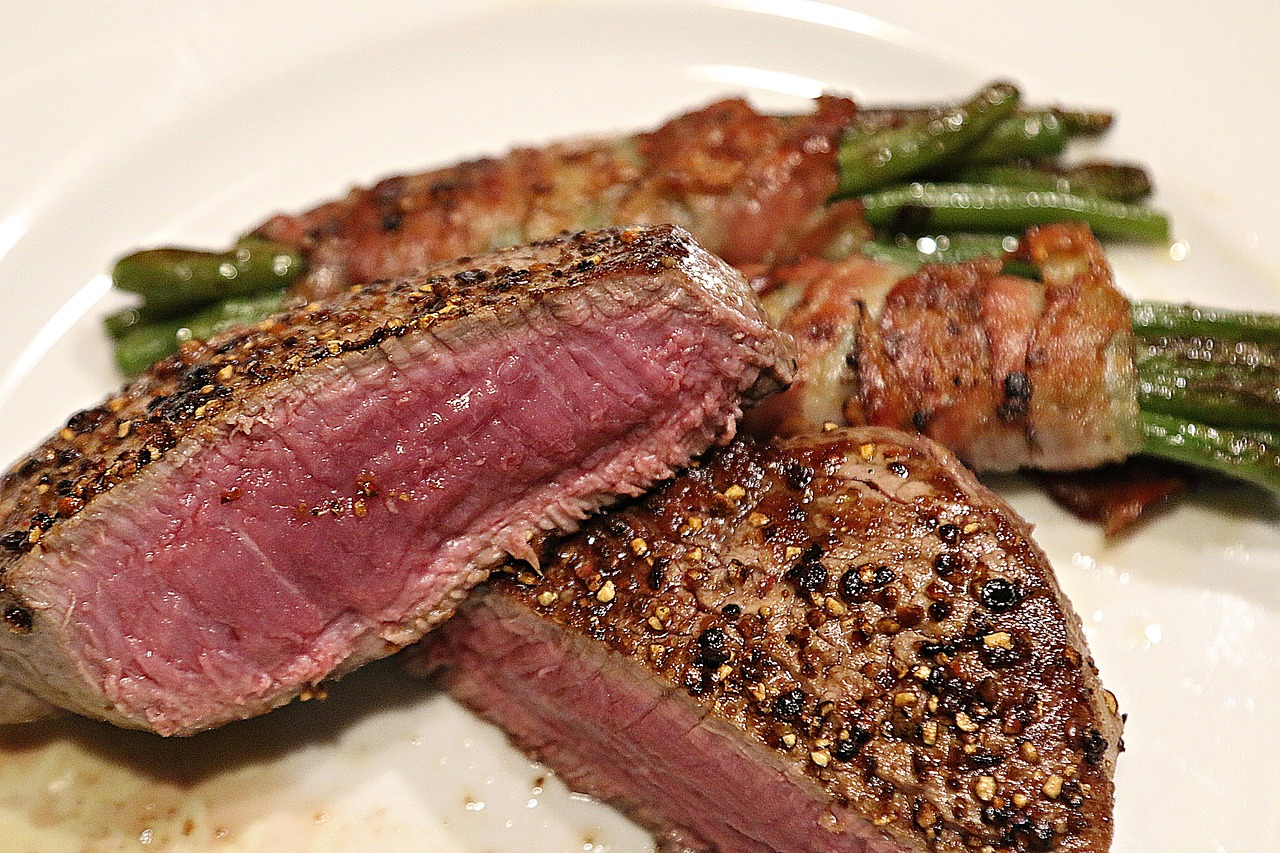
750 187
833 643
287 501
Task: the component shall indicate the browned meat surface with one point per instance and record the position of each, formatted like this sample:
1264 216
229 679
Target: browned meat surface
1004 371
294 499
838 642
1116 496
1082 352
823 305
750 187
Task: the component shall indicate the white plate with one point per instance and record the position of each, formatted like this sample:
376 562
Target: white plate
152 123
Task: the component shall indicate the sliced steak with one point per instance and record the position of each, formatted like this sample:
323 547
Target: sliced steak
285 503
838 642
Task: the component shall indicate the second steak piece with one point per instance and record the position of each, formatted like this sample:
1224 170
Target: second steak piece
277 507
834 644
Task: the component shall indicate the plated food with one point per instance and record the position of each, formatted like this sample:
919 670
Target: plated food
1074 571
272 507
764 190
1006 371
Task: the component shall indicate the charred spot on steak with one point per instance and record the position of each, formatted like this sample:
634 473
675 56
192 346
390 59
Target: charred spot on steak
1095 746
19 619
809 574
946 563
999 596
798 477
713 647
789 705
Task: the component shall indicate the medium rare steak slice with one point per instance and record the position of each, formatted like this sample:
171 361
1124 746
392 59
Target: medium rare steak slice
838 642
286 503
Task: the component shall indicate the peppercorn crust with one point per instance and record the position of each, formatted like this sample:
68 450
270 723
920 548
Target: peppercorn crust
867 616
208 385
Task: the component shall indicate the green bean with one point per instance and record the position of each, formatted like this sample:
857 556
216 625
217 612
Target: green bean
982 207
1211 351
1218 394
1076 121
1085 122
1165 319
1243 454
940 249
122 322
1032 135
1020 136
877 158
1116 181
174 280
141 346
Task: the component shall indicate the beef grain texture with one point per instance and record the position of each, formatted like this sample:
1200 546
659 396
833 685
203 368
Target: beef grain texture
839 642
290 501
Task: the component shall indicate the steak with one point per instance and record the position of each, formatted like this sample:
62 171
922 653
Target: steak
281 504
839 642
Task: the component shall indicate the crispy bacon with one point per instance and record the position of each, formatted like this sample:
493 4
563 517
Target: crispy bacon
1005 371
1116 496
823 306
750 187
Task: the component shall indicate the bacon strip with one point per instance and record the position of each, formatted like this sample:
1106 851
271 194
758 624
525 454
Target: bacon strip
1004 371
750 187
1082 355
1116 496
